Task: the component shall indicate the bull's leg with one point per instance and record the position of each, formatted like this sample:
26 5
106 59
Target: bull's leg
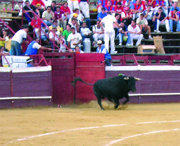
116 103
99 102
127 99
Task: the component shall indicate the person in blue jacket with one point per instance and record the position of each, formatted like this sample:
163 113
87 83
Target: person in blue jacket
101 49
34 46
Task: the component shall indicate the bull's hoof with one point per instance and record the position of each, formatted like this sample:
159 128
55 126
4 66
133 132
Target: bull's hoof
102 109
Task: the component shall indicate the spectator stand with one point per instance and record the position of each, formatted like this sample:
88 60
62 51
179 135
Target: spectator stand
54 44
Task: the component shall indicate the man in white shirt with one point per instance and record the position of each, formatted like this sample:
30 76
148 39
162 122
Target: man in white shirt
143 24
17 40
74 39
134 33
109 21
98 32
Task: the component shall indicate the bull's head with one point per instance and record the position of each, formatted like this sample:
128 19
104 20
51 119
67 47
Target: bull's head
132 83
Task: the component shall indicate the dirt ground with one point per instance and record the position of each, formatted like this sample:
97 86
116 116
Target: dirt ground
87 125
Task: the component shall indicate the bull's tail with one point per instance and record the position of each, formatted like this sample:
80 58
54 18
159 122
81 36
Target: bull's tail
81 80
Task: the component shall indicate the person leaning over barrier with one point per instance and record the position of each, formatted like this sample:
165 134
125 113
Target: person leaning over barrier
101 49
17 40
34 46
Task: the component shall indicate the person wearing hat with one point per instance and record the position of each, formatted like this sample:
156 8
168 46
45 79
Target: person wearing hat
143 24
17 40
29 62
34 47
101 49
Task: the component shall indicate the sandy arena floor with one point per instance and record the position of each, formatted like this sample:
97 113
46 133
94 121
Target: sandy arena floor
87 125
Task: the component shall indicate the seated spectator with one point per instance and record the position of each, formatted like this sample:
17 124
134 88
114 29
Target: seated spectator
123 34
148 14
28 8
58 28
85 32
102 14
36 24
44 35
143 24
98 32
74 17
152 3
58 16
160 19
48 16
75 24
34 47
109 7
66 10
66 32
53 6
134 33
174 6
3 35
74 39
80 17
54 37
127 16
62 44
116 28
138 8
101 49
119 8
174 20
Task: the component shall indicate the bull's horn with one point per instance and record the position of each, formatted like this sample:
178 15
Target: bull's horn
137 79
126 78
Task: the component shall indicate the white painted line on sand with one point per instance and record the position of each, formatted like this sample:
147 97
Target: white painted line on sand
86 128
141 134
158 122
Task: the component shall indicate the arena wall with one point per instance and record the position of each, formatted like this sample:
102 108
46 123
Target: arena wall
21 87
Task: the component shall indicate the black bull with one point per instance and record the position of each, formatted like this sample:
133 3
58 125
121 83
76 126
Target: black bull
113 89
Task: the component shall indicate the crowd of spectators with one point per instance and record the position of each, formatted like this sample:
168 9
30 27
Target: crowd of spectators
65 26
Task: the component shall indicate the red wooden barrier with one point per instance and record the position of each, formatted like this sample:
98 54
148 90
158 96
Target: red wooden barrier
62 76
90 67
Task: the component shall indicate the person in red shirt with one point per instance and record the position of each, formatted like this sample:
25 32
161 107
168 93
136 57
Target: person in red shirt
139 7
66 10
36 24
119 8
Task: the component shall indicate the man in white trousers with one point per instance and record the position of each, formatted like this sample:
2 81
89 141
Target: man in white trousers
134 33
73 4
109 22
